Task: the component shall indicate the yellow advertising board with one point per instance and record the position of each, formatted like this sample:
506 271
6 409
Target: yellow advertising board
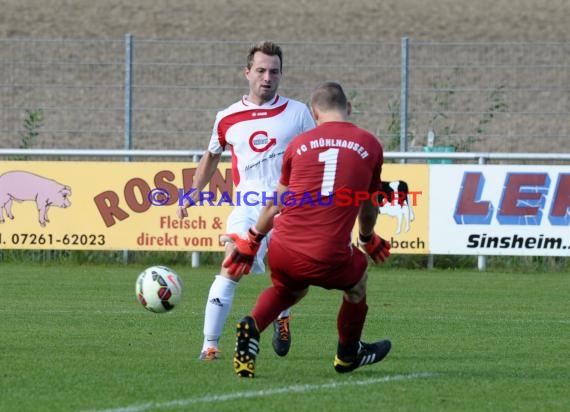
106 205
405 223
132 206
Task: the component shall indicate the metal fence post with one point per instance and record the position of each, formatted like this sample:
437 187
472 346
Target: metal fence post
128 93
128 90
404 73
195 255
482 260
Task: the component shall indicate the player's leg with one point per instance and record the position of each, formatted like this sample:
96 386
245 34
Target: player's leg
222 291
221 294
285 292
218 307
272 301
247 347
281 340
351 318
351 351
269 303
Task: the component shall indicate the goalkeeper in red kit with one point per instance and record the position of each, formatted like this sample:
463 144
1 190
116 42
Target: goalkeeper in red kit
311 243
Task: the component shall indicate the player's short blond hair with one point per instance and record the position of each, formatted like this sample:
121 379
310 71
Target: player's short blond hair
329 96
268 48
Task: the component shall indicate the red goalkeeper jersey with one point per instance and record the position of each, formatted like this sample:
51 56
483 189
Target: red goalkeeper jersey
328 171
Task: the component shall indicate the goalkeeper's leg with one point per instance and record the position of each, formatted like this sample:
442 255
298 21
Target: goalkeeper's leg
352 353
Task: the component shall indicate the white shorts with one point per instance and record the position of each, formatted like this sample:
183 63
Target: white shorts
239 221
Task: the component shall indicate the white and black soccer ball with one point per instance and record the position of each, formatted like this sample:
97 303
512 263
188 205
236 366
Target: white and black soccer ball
159 289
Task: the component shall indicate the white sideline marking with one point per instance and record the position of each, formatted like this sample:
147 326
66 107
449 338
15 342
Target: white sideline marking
262 393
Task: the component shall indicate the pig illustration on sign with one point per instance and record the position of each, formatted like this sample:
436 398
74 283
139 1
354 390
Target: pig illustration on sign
21 186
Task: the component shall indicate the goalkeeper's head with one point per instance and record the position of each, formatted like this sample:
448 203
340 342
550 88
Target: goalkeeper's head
329 103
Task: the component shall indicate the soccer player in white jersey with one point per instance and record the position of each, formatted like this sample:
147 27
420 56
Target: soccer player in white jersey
257 130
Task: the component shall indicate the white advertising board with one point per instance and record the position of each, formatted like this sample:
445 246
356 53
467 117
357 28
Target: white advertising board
511 210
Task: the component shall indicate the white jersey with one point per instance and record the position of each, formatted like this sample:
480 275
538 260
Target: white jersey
257 137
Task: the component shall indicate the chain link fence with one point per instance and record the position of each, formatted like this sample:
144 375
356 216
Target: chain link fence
83 94
508 97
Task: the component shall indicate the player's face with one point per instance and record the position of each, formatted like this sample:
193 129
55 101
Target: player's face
263 77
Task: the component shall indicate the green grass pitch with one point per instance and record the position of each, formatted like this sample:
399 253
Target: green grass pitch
74 338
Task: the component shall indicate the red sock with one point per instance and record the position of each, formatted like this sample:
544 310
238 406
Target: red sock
269 305
350 322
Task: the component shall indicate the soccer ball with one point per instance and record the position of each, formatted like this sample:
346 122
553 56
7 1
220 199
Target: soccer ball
159 289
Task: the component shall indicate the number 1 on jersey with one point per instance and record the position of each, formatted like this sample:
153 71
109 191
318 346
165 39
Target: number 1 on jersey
329 158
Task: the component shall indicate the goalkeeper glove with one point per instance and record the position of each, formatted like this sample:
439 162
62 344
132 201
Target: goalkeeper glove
239 262
376 247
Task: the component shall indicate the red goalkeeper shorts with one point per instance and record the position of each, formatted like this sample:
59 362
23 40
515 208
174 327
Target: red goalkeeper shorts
295 271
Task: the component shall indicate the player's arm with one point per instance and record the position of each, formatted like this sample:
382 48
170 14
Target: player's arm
376 247
239 262
367 217
206 168
265 220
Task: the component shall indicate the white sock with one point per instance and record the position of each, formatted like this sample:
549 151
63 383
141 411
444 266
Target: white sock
218 308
